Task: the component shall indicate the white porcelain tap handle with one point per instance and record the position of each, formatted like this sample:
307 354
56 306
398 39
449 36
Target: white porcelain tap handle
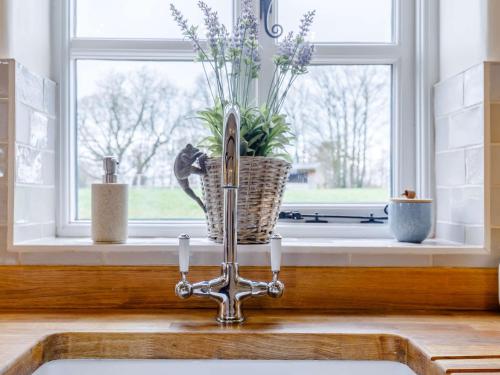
184 253
275 252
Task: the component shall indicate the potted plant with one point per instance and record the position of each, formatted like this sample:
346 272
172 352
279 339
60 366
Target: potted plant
232 64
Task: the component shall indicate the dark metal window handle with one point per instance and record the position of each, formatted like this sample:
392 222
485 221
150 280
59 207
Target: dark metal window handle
266 8
318 218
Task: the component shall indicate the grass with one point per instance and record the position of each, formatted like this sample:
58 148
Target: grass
173 203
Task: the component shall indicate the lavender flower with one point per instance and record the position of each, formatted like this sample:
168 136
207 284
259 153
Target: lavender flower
234 60
305 24
211 19
248 20
189 32
286 49
179 18
303 58
291 60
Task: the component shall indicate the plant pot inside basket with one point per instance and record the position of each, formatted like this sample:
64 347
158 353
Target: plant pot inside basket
262 183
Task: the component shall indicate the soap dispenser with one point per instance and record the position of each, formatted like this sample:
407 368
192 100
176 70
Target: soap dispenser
110 206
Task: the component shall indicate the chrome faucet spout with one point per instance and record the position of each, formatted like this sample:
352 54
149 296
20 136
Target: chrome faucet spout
229 289
231 148
230 180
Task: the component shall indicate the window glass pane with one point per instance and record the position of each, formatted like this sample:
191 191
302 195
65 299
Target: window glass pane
355 21
141 18
142 112
341 117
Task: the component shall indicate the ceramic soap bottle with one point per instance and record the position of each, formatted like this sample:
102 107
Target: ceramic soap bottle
110 206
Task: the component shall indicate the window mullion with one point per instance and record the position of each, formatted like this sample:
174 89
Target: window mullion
352 53
268 49
131 49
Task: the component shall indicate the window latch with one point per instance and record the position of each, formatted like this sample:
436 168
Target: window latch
318 218
266 8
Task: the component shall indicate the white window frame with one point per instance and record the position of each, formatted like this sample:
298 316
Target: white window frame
412 55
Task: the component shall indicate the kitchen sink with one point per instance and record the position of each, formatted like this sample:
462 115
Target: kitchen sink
216 367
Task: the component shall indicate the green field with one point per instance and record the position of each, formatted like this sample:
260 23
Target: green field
164 203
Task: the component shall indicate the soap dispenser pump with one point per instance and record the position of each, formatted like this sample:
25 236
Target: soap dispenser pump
110 206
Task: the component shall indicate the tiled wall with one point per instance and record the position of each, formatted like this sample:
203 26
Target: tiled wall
459 140
34 193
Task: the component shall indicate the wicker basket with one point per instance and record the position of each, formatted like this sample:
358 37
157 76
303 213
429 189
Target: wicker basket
262 182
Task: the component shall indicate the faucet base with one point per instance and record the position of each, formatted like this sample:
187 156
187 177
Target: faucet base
230 319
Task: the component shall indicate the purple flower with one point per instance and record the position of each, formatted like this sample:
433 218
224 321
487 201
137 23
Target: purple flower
189 32
305 24
303 58
179 18
248 20
286 48
214 30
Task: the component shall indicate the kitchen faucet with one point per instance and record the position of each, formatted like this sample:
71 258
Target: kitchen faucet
229 289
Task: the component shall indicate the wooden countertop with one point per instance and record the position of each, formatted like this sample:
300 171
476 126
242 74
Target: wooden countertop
430 343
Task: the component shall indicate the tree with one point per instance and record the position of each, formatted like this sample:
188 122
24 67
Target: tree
132 117
339 111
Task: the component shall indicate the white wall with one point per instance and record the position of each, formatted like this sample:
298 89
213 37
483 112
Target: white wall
25 33
469 34
462 36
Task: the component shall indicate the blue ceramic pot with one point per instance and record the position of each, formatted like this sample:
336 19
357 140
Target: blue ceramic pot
410 220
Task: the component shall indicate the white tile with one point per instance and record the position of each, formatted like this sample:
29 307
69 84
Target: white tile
449 95
61 258
3 162
450 232
467 127
474 85
443 208
49 230
390 260
464 261
474 166
441 133
27 232
22 205
48 168
39 130
51 135
34 204
49 97
474 235
29 87
28 165
450 168
4 120
4 79
467 205
23 120
42 204
494 82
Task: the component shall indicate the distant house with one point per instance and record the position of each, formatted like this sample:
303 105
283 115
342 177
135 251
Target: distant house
305 175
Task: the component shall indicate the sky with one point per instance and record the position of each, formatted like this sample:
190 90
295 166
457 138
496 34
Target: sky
336 20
